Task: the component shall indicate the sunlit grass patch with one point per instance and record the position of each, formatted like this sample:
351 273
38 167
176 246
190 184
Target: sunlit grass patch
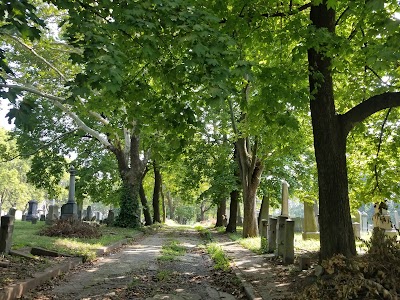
221 261
171 250
26 234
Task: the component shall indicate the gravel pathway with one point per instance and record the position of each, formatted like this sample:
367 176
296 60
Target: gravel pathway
136 272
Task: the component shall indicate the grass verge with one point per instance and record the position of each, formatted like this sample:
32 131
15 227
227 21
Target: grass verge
171 250
26 234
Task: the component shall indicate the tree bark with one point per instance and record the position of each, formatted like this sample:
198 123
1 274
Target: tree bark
156 194
250 168
146 209
131 170
336 232
233 210
221 214
170 205
163 206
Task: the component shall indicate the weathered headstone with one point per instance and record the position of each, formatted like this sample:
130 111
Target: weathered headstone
69 211
110 218
52 215
23 218
396 219
264 212
42 218
285 199
32 210
364 221
381 219
272 223
12 211
298 224
89 213
6 231
310 225
99 215
288 251
280 234
264 235
357 230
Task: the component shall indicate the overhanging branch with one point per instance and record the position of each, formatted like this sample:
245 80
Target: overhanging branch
367 108
57 101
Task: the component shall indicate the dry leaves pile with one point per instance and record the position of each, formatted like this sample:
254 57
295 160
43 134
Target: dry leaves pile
375 275
67 228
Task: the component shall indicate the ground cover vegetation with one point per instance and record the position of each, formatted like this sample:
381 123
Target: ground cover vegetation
214 96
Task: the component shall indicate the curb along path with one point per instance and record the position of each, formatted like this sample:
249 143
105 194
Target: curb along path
253 270
18 289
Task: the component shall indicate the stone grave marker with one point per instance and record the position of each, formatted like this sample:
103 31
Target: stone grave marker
89 213
52 215
285 199
288 251
12 211
69 211
272 224
6 232
110 218
32 210
310 224
280 242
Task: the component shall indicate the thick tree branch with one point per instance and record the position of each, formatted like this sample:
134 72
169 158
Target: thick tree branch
379 149
41 147
367 108
57 101
288 13
37 55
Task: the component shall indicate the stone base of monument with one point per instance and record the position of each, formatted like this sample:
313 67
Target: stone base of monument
310 235
69 211
391 233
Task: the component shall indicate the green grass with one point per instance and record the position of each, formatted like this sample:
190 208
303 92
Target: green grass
253 244
218 256
26 234
171 250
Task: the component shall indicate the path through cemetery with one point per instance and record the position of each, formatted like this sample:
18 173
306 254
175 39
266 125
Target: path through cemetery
142 271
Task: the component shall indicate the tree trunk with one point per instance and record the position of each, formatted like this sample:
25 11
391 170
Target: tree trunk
146 209
336 232
164 208
221 214
250 169
233 209
131 170
156 194
129 215
264 211
170 205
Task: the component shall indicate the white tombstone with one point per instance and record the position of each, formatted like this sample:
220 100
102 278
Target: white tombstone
18 215
381 219
396 219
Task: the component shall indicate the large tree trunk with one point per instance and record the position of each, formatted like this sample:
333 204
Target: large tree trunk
233 210
156 194
163 206
146 209
129 215
336 232
221 214
131 170
250 168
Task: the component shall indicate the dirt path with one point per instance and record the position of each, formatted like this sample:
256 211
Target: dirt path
137 272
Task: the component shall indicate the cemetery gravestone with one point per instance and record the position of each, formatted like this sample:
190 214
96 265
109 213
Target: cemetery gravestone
288 251
12 211
110 218
6 231
310 224
32 210
89 213
285 199
272 224
52 215
381 219
280 243
70 209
